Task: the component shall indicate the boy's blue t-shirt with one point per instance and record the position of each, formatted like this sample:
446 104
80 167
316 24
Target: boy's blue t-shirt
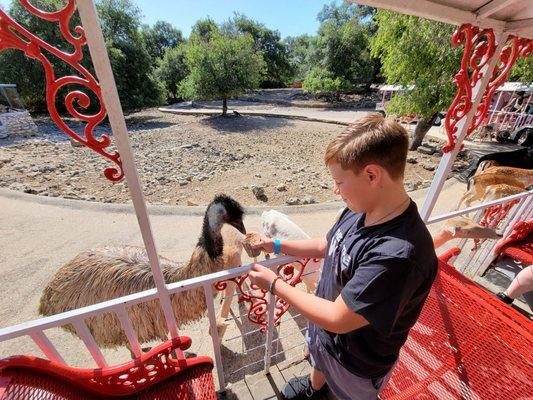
384 273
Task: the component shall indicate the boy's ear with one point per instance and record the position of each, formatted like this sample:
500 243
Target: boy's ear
373 172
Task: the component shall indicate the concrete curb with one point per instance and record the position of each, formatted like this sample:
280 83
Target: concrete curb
251 112
182 210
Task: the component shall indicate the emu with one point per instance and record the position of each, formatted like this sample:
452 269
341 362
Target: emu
105 273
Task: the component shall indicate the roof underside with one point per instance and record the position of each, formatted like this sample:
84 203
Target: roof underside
512 16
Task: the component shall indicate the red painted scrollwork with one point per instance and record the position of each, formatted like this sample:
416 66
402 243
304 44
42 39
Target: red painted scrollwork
257 297
14 36
479 47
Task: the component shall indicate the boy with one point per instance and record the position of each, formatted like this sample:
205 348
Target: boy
379 265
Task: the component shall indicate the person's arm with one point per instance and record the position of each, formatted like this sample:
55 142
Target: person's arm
309 248
333 316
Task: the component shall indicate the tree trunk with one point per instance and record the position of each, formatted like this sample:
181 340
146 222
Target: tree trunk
224 106
423 126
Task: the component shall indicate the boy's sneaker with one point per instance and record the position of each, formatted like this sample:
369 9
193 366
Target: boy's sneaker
300 388
503 297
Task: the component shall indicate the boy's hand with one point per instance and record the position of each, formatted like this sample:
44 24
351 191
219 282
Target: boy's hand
261 276
265 244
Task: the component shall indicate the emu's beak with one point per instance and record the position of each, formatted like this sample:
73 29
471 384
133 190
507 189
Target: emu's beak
240 227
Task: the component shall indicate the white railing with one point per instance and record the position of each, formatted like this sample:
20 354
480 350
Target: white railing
509 120
35 329
476 262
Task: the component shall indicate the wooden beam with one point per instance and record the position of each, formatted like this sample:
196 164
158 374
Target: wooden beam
519 24
493 7
434 11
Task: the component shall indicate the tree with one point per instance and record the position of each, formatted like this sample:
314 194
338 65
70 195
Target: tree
221 67
342 46
418 52
203 30
172 70
268 42
522 71
161 37
322 82
28 73
301 50
131 63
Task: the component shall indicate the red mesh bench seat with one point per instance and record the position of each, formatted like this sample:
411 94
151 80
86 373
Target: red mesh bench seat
154 375
466 345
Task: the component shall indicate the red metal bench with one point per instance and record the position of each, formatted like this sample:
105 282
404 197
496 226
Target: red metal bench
154 375
519 244
467 344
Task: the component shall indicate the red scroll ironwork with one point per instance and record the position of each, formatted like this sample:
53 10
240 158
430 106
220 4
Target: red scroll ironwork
14 36
479 47
257 297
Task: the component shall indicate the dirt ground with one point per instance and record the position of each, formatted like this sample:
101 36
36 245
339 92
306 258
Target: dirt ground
187 160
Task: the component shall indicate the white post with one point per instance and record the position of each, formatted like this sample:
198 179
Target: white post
447 160
47 347
100 59
208 290
270 331
90 343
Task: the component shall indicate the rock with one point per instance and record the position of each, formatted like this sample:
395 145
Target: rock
166 200
308 200
281 188
412 160
409 187
183 182
20 187
426 149
191 203
428 167
202 178
292 201
288 180
5 160
324 186
187 146
257 175
46 168
75 143
258 191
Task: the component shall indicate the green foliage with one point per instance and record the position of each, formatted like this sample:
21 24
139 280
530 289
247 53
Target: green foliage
28 73
161 37
130 60
301 50
322 82
344 51
341 47
172 70
522 71
221 67
203 30
279 69
415 51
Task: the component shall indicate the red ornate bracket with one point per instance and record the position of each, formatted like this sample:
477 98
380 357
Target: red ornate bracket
479 47
14 36
259 302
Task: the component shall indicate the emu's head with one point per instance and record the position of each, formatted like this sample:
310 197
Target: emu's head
222 210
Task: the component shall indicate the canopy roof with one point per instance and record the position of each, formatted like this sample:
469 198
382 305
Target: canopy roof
512 16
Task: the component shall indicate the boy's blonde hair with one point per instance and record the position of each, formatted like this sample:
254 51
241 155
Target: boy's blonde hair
372 139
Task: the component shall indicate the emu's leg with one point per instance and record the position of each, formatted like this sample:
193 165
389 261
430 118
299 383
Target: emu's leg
223 313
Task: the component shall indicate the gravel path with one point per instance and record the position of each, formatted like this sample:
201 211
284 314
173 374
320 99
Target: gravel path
188 159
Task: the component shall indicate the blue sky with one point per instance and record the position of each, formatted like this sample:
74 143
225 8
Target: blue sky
289 17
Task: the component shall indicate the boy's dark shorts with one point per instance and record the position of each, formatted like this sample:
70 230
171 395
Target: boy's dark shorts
342 383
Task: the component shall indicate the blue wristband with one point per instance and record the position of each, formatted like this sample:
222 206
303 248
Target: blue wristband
277 246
